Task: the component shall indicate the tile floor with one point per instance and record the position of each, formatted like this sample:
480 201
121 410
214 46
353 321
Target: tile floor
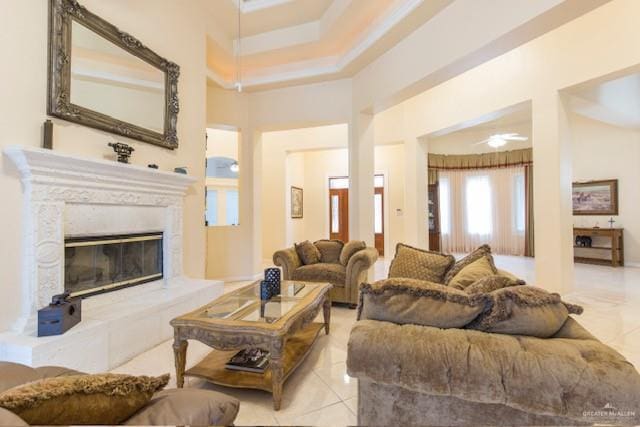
321 393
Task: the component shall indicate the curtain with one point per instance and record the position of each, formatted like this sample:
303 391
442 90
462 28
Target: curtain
481 161
529 246
483 206
433 176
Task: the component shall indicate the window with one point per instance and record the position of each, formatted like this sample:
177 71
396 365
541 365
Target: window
478 205
519 203
445 206
335 213
211 213
377 211
232 207
338 183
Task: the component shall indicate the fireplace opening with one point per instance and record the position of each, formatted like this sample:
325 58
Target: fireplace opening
95 265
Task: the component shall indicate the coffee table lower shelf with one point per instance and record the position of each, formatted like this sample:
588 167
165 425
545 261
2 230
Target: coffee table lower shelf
297 347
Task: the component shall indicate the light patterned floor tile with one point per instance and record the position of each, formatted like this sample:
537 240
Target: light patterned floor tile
335 376
334 415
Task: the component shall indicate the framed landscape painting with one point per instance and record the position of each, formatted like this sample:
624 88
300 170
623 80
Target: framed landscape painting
595 197
296 202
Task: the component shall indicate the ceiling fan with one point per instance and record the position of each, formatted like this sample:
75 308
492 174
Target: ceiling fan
500 139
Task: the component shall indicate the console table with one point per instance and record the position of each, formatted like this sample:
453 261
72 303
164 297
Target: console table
607 246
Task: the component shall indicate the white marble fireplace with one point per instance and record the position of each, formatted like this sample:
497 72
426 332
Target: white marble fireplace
68 196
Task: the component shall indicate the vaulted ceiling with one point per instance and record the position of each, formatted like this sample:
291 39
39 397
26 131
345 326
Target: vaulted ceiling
274 43
306 40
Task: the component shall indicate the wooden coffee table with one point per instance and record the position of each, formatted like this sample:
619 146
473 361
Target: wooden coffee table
283 325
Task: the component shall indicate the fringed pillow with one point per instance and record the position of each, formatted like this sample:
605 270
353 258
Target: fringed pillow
82 399
410 301
308 252
462 263
420 264
524 310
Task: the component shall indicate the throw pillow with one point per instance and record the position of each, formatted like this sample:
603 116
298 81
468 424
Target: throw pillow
419 302
330 250
492 283
307 252
482 267
350 248
524 310
414 263
462 263
82 399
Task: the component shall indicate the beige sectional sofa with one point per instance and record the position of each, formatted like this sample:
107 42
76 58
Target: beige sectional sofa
427 353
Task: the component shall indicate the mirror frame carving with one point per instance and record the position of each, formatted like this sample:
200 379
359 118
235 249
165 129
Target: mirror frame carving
61 15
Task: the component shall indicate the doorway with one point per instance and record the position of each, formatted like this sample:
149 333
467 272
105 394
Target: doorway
339 210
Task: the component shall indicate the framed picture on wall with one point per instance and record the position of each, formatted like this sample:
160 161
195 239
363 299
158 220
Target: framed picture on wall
595 197
296 202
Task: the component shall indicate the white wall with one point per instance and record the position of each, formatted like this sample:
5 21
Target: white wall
23 47
603 151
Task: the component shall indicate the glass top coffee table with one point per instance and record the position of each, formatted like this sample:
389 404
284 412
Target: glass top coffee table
283 325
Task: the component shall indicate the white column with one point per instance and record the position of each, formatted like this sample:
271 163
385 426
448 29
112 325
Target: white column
552 194
361 172
415 197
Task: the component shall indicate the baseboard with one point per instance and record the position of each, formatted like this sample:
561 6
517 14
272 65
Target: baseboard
632 264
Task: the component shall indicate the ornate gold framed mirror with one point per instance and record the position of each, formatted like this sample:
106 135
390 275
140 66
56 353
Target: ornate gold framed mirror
104 78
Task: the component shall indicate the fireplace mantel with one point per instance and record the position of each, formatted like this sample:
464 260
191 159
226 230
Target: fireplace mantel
55 183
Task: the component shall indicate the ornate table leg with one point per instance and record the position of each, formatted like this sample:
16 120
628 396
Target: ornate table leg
326 310
180 355
277 372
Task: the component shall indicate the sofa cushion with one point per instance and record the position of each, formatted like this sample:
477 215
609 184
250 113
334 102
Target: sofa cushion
307 252
322 272
81 399
491 283
478 269
524 310
477 253
187 406
420 264
349 250
418 302
330 250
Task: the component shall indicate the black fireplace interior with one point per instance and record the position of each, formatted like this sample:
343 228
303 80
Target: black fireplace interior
101 264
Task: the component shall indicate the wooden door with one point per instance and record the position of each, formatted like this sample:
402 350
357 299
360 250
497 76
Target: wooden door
339 214
378 203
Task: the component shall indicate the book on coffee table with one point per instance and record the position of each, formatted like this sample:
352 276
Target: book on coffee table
249 360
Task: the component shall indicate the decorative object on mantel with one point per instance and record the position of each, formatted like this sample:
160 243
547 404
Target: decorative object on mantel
181 169
62 314
47 135
611 222
122 150
72 25
152 166
595 197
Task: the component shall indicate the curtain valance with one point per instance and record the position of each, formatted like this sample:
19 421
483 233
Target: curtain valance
481 161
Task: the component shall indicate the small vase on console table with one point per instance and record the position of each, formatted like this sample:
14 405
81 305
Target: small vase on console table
607 246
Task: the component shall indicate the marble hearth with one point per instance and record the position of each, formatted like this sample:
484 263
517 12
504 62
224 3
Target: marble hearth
67 196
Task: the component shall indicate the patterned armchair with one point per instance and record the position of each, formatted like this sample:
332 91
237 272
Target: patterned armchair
345 266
